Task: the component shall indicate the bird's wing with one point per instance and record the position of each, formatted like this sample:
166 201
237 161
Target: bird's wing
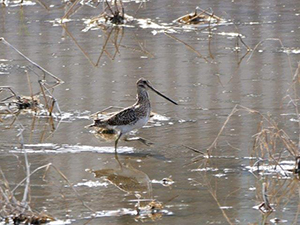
125 117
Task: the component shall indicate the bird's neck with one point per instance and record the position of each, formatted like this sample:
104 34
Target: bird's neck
142 96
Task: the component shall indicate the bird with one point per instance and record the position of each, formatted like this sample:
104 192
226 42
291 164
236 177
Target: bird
133 117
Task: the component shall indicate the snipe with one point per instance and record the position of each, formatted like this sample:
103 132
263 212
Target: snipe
133 117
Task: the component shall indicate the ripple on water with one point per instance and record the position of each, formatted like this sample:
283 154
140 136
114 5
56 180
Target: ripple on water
283 168
50 148
91 183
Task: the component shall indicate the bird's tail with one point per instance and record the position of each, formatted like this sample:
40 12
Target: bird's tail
97 123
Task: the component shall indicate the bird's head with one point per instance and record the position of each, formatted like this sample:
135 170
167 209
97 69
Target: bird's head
143 83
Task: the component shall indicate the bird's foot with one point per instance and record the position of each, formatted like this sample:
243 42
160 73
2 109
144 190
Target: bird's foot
142 140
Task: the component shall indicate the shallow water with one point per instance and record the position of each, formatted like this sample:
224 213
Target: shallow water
207 89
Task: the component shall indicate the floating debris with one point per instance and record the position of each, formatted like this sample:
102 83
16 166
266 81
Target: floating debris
152 210
91 183
265 206
289 50
13 103
226 207
165 181
151 207
277 221
199 18
297 166
27 102
219 175
104 20
31 219
113 14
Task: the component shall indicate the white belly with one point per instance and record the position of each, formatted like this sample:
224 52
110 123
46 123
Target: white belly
139 124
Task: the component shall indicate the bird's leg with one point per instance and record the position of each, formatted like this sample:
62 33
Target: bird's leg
116 142
117 158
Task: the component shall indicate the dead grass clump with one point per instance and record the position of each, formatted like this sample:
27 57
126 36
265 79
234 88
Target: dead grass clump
151 210
112 13
39 99
18 211
27 102
277 194
272 144
13 103
199 18
116 13
42 99
39 105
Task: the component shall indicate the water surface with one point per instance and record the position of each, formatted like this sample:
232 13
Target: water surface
207 89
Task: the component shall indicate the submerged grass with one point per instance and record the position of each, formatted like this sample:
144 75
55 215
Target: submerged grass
39 103
277 185
14 210
43 83
21 210
271 143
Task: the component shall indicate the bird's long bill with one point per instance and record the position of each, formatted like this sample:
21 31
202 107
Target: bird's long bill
157 92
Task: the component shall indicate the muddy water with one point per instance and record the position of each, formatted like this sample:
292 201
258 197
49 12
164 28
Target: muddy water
207 89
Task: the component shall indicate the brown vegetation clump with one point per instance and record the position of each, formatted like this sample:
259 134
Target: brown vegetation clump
199 18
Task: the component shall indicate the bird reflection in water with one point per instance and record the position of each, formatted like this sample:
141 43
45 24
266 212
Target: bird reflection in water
133 182
127 179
